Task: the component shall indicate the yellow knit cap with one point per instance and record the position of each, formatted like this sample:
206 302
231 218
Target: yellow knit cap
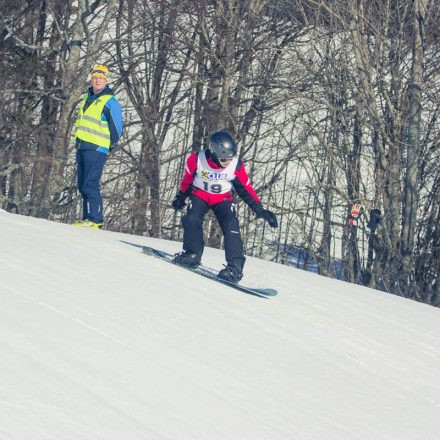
100 70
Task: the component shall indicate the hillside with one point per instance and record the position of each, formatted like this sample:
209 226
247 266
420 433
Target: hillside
99 341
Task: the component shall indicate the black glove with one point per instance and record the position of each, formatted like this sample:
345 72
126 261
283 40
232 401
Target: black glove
375 218
267 215
179 201
270 217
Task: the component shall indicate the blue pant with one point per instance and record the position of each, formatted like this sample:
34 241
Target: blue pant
89 171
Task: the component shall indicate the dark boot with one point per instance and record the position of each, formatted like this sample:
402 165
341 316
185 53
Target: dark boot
187 259
233 272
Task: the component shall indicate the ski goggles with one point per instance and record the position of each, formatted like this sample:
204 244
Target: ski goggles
225 161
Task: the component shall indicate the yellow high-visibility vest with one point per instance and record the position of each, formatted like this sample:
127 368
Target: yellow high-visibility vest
89 126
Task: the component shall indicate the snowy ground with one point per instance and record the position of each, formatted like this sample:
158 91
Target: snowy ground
98 341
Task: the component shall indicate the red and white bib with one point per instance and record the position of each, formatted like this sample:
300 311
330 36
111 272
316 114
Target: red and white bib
214 180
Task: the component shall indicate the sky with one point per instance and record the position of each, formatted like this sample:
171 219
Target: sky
101 342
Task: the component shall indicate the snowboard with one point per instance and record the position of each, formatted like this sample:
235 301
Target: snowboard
211 274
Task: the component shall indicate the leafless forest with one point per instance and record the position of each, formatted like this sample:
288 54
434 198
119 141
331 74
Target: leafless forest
331 101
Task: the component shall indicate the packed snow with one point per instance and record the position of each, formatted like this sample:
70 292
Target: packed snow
100 341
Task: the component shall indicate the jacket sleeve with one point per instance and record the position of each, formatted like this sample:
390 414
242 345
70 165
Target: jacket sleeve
190 171
243 187
113 114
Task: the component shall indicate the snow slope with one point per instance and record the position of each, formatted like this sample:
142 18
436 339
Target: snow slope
98 341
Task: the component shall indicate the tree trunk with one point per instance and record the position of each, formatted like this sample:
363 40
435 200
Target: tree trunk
411 195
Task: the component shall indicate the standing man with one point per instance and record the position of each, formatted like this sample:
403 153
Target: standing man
210 178
98 128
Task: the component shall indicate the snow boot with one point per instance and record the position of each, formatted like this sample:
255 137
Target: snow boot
233 272
88 224
187 259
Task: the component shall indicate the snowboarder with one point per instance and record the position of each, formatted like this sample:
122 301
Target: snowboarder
210 178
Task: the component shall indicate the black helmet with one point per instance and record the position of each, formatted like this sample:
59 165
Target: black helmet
222 145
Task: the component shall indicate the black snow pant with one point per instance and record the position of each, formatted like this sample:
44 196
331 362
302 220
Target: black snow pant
226 216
